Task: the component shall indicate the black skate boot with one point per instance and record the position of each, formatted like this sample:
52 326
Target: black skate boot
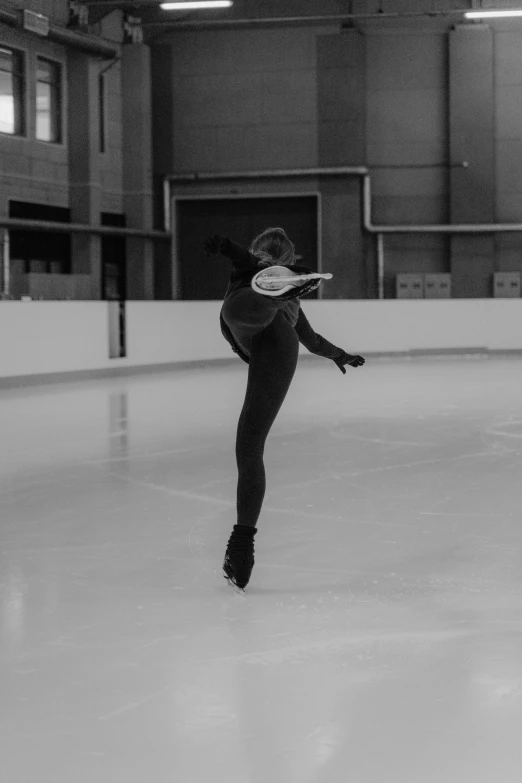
239 557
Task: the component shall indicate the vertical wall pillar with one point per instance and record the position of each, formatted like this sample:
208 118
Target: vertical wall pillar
163 111
84 164
137 167
472 139
341 129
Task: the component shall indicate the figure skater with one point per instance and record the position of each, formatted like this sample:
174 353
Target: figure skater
262 319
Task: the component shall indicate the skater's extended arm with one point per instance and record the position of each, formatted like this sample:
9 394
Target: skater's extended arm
318 345
314 342
242 259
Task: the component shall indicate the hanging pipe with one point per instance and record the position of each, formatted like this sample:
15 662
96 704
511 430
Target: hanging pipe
79 228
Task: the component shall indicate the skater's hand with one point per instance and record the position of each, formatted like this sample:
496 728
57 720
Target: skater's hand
215 244
352 360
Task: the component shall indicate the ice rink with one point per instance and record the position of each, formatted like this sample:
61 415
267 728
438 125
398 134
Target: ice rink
380 638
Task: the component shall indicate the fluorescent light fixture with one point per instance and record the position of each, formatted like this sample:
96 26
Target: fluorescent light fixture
196 4
491 14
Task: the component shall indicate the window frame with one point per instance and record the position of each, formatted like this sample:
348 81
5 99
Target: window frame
21 76
59 98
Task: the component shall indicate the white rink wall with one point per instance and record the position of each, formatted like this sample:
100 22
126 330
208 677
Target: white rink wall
42 338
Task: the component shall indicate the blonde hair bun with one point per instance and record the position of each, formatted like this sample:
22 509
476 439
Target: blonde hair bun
273 247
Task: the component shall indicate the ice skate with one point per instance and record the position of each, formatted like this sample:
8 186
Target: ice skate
279 280
239 557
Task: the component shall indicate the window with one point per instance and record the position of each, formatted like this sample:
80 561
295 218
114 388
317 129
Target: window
101 98
48 101
12 92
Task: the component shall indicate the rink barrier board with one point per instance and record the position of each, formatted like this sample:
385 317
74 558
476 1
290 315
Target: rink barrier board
56 342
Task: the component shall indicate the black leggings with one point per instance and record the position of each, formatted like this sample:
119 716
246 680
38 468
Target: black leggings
273 359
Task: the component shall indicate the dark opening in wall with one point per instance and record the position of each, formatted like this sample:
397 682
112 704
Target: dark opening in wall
41 251
113 259
241 218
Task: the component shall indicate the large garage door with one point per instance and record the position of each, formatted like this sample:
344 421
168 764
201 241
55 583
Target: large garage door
241 219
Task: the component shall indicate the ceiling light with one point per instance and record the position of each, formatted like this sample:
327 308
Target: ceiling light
197 4
491 14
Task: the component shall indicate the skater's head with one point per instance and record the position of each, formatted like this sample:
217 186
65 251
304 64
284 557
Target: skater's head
273 248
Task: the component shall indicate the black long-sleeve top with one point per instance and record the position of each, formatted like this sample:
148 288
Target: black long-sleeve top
245 266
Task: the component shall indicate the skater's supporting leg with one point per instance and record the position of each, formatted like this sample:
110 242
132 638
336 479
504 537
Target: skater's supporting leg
272 366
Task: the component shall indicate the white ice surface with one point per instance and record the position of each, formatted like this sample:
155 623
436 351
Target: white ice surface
380 638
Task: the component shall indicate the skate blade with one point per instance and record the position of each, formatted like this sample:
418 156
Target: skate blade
236 589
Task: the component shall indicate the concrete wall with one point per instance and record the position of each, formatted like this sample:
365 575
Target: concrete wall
384 94
269 99
407 144
74 338
508 141
390 95
111 174
35 171
56 10
76 173
32 170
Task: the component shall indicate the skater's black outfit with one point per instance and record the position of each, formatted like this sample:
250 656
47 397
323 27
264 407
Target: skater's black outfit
245 313
265 332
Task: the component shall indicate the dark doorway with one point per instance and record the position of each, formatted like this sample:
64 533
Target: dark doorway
113 259
241 219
